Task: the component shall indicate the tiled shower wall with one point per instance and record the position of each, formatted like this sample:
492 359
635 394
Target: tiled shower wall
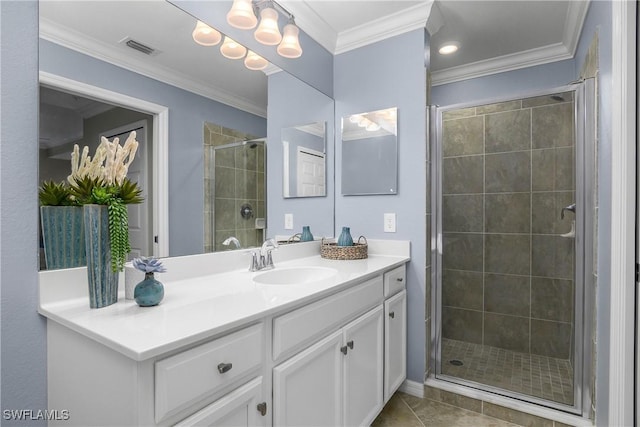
508 169
236 178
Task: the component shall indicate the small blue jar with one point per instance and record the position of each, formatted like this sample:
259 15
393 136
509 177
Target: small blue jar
345 238
306 234
149 292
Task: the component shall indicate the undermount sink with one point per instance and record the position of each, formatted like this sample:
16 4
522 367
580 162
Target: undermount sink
294 275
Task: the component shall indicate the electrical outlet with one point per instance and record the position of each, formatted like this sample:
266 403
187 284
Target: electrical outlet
389 223
288 221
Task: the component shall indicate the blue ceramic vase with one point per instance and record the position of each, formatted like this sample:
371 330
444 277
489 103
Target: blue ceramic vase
149 292
63 236
306 234
103 281
345 238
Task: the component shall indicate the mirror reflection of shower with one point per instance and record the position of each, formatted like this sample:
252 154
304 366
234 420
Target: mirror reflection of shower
234 187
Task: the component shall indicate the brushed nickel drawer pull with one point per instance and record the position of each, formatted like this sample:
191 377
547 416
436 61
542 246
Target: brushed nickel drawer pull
224 367
350 344
392 314
344 349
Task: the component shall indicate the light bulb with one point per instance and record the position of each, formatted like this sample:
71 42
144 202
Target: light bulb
205 35
232 49
448 48
255 62
268 32
241 15
290 45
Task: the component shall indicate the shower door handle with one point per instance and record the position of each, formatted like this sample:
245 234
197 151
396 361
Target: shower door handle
571 208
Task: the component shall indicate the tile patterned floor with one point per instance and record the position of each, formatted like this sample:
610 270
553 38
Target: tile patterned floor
530 374
404 410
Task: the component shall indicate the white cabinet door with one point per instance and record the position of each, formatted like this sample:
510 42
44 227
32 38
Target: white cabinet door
363 373
307 388
395 343
237 409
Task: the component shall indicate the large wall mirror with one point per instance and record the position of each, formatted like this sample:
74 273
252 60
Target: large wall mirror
304 160
370 153
217 121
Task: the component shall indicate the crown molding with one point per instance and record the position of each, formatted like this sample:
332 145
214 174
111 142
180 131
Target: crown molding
311 23
576 14
385 27
501 64
388 26
73 40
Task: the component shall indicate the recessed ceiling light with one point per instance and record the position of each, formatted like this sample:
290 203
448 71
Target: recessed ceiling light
448 48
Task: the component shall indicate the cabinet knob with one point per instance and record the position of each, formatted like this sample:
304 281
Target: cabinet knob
344 349
392 314
224 367
350 344
399 279
262 408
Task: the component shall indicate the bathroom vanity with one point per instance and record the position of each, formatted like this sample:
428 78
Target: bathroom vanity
311 342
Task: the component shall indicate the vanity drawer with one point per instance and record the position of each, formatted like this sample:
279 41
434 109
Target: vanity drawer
307 324
185 378
395 281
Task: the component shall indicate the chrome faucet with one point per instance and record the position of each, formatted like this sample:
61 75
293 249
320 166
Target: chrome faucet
265 262
233 240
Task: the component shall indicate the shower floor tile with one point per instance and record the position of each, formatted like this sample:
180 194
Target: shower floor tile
531 374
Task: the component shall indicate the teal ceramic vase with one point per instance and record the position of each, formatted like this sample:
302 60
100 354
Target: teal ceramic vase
149 292
63 236
306 234
345 238
103 281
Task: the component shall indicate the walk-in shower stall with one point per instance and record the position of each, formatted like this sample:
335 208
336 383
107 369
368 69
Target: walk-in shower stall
513 220
235 195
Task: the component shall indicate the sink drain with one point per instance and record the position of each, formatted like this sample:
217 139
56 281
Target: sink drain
456 362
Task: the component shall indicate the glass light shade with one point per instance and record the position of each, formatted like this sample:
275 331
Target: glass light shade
255 62
232 49
241 15
205 35
290 45
268 32
355 118
372 127
363 122
448 48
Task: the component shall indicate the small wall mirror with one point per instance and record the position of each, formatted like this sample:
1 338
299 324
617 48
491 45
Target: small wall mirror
370 153
304 163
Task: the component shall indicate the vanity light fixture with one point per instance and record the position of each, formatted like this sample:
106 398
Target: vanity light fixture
205 35
290 45
268 32
232 49
448 48
241 15
255 62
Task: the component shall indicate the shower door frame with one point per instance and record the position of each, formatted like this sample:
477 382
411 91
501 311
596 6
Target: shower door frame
584 293
213 149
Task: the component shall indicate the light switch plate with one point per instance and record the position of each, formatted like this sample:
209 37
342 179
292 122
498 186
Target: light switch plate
288 221
390 223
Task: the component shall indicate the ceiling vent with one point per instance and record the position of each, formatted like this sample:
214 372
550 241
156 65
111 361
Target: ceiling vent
140 47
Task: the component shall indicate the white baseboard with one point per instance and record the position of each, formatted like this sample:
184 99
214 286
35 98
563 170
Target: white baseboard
413 388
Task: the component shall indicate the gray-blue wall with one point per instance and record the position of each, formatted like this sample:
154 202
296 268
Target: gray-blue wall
187 114
294 103
512 83
23 346
391 73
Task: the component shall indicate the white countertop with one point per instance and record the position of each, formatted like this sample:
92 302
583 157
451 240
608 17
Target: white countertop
194 308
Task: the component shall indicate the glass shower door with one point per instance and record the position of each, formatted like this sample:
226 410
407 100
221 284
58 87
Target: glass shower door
509 310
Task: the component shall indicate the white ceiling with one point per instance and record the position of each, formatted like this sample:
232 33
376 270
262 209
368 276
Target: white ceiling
494 36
